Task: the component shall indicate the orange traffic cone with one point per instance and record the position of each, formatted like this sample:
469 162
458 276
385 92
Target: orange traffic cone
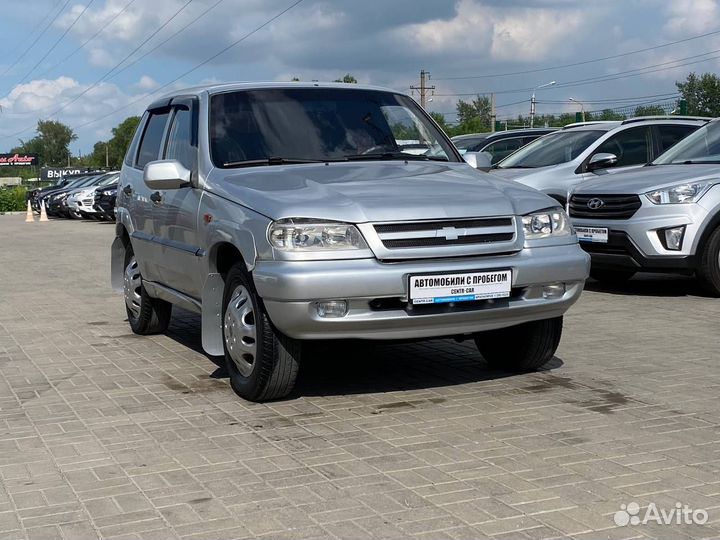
43 213
29 218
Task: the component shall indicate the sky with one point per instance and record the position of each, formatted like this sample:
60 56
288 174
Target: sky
92 63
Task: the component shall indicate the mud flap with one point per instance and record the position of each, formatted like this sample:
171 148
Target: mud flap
212 294
117 264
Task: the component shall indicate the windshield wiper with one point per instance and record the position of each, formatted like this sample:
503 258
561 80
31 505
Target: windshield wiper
698 162
513 167
274 161
395 155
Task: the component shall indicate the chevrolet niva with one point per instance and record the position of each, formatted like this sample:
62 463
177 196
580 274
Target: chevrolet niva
285 213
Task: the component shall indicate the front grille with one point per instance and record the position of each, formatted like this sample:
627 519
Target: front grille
88 202
612 207
453 232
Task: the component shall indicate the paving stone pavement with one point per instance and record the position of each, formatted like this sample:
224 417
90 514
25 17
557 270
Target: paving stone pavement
104 434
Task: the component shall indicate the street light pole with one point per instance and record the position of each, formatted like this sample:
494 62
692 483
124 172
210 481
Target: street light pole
532 101
582 107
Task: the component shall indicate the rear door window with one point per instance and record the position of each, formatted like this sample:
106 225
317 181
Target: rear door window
152 139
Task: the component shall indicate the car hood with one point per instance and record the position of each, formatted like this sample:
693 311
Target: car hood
644 179
375 191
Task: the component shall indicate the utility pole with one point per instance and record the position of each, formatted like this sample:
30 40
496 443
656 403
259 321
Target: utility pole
493 115
423 88
107 157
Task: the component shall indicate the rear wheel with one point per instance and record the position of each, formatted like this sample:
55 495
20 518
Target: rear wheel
261 361
145 314
525 347
708 272
612 276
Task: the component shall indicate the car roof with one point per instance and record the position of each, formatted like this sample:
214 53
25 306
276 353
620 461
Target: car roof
505 133
219 88
607 125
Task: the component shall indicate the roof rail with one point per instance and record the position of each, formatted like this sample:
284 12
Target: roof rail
590 123
666 117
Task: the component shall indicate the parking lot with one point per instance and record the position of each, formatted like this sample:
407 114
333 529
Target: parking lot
107 434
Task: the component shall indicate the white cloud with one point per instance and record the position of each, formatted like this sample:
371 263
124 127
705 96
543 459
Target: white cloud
146 82
691 17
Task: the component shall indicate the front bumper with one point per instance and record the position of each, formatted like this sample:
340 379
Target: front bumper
377 294
634 244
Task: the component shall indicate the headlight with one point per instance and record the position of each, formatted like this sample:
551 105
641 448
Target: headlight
302 234
680 194
544 224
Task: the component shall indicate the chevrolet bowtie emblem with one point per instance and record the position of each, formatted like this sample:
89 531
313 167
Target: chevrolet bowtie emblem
449 233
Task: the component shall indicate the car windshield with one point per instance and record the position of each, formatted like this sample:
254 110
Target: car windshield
702 146
285 125
463 144
553 149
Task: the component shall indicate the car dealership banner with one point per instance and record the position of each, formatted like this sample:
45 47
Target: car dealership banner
56 173
18 160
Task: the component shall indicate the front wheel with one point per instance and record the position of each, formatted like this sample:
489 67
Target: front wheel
145 314
708 272
261 361
521 348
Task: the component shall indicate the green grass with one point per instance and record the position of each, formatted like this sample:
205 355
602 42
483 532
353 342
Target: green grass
13 199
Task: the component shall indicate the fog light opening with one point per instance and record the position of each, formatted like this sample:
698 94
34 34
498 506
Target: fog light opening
553 290
672 238
332 309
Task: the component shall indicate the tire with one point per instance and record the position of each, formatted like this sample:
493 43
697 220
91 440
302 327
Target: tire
521 348
612 276
262 362
145 314
708 272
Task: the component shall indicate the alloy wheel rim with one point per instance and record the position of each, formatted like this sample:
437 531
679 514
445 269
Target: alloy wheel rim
132 285
240 333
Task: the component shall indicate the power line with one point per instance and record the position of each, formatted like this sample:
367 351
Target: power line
195 68
41 34
104 26
19 42
105 76
57 42
608 77
196 19
581 63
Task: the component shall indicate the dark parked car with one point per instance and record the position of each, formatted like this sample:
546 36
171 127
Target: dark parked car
56 204
36 196
499 144
105 202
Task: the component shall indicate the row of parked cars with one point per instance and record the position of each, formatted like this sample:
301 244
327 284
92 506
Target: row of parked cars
639 192
87 196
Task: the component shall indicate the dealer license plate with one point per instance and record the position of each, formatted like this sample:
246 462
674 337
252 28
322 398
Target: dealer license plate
463 287
592 234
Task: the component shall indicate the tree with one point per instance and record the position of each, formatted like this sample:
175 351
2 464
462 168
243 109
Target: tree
474 116
52 142
440 119
702 94
649 110
347 78
116 147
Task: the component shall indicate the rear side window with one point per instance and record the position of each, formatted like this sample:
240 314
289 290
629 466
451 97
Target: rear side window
132 149
630 146
670 135
179 144
152 139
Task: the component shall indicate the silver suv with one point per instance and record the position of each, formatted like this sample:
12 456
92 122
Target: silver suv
664 217
284 213
585 151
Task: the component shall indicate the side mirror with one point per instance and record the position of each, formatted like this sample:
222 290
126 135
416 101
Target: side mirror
166 174
479 160
602 160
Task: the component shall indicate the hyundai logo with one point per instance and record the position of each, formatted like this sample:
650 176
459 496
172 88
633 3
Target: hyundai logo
595 204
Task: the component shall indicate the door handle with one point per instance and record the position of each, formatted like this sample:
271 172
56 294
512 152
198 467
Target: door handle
127 190
156 197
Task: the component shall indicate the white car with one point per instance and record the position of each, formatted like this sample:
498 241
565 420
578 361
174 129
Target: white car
81 202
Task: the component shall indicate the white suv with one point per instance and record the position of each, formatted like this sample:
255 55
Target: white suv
556 162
